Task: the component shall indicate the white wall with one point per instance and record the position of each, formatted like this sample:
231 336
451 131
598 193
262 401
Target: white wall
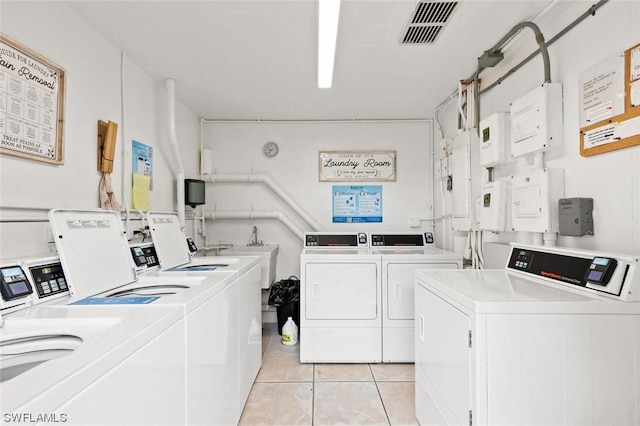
611 179
237 148
93 68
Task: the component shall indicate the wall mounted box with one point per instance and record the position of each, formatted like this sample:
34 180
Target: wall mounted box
493 212
494 139
536 120
535 198
575 217
465 171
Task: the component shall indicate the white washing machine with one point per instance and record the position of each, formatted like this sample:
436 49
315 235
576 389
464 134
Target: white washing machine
99 269
401 255
175 259
340 299
552 339
51 353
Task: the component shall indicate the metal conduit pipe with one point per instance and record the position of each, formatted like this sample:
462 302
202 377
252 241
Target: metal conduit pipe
264 179
173 144
590 12
253 214
539 39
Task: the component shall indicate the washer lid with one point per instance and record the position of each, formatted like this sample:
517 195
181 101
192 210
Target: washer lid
93 250
169 239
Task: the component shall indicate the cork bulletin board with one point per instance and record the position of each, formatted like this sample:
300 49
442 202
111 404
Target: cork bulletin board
32 95
610 104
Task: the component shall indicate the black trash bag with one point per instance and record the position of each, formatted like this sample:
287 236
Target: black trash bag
285 291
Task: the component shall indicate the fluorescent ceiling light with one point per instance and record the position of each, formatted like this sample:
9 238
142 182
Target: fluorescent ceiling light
328 13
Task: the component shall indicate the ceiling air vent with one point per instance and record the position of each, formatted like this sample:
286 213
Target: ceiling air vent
427 21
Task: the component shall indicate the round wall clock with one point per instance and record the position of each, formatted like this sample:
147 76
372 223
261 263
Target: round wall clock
270 149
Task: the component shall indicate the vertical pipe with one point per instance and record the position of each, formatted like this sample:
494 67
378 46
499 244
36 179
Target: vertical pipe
173 144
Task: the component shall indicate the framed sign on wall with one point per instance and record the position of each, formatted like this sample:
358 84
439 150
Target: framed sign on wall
32 92
343 166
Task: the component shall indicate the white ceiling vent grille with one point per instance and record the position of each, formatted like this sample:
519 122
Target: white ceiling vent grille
427 21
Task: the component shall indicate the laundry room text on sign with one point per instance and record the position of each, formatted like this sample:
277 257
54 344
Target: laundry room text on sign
344 166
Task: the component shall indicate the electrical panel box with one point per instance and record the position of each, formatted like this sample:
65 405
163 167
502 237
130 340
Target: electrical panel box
465 172
536 120
493 210
494 139
575 216
534 200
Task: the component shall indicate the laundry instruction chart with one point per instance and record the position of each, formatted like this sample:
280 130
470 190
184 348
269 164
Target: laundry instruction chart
357 203
31 103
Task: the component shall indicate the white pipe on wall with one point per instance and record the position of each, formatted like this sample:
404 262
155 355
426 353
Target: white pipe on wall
265 179
173 144
550 239
253 214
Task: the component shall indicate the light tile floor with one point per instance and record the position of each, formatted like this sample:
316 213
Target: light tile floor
289 393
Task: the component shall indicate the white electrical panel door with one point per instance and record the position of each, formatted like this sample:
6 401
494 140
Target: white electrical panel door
494 139
536 120
460 172
535 200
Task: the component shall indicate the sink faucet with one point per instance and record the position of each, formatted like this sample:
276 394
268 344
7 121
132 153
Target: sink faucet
254 238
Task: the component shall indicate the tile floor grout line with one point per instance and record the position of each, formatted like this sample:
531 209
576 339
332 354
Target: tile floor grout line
384 407
313 394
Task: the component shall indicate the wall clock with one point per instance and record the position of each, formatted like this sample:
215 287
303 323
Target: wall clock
270 149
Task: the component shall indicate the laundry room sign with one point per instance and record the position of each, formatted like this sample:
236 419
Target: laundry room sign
342 166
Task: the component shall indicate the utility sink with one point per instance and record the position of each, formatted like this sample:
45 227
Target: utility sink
26 343
268 259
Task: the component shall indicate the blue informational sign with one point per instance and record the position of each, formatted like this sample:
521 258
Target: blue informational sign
357 203
142 157
135 300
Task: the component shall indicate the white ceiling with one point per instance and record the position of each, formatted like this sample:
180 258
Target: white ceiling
243 59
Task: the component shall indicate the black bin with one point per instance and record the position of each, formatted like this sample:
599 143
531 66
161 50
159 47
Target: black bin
285 296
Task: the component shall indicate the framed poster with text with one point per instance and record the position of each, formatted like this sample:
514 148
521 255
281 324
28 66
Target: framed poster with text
357 166
32 92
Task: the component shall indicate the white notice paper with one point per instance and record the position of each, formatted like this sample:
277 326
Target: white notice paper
635 64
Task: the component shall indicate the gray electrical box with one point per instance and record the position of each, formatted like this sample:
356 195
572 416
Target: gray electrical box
575 216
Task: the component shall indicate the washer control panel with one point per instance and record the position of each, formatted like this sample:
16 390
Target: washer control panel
49 280
608 274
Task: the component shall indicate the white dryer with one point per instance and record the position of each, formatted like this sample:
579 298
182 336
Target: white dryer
552 339
401 255
340 299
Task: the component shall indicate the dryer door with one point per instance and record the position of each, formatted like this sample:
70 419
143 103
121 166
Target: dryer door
341 291
400 283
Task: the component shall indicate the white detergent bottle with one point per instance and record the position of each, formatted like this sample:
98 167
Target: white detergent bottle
289 332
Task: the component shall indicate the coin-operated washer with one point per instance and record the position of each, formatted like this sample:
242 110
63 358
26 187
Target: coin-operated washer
174 256
340 299
100 272
402 254
51 353
554 338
